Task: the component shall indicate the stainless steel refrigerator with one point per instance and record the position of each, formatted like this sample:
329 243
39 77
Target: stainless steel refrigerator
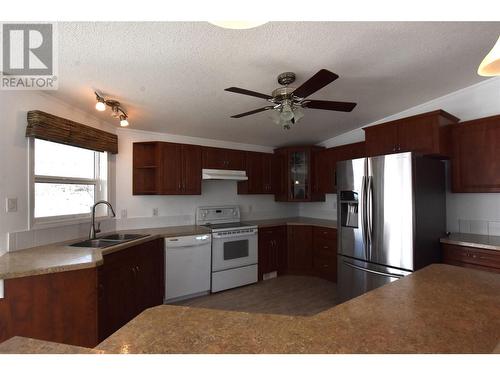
391 214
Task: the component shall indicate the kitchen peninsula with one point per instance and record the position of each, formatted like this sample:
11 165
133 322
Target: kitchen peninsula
439 309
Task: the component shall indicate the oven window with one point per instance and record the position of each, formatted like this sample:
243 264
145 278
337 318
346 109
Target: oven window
235 249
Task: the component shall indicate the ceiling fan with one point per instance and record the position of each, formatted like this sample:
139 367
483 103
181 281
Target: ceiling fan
287 102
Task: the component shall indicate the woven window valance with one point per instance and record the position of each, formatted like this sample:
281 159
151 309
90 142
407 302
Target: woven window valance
52 128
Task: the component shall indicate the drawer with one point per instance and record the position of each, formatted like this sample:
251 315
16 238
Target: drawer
471 255
272 231
326 233
323 245
325 267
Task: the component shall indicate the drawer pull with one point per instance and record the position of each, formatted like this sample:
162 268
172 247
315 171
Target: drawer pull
326 247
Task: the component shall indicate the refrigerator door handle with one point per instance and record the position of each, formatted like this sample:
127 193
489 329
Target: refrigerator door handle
363 216
369 211
388 274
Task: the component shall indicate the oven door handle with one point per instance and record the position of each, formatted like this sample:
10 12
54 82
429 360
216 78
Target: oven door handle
223 236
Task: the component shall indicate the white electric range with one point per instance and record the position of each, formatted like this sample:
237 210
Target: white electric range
234 247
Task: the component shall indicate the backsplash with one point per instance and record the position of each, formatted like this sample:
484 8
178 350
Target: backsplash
490 228
44 236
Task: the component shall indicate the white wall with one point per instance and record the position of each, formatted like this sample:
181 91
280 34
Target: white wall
179 210
470 213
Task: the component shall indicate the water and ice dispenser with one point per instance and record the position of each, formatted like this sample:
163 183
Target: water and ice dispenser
349 209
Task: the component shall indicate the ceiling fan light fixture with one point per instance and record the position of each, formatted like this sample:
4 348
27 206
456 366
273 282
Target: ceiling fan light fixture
238 25
490 66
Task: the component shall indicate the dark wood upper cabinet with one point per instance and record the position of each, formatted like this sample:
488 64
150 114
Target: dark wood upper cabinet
476 156
298 174
165 168
264 174
146 168
255 174
191 169
426 133
326 164
222 158
171 168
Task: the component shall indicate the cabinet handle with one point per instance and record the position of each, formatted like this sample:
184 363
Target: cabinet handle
134 271
325 247
180 186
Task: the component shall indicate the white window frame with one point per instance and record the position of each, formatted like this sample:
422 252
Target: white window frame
99 194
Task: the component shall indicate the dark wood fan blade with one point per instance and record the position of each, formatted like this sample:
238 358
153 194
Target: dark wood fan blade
316 82
329 105
252 112
237 90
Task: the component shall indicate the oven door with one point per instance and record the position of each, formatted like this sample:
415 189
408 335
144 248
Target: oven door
233 250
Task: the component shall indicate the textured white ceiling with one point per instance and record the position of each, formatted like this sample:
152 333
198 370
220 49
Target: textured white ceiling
171 76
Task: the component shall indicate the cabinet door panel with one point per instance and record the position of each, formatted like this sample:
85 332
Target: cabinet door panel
381 139
300 249
150 284
191 169
59 307
419 135
214 158
476 161
171 168
254 168
235 160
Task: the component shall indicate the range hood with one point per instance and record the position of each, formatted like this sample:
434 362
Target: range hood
223 174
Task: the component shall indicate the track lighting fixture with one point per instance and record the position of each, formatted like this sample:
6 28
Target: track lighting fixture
116 109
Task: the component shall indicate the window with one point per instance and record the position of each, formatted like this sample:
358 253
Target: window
67 181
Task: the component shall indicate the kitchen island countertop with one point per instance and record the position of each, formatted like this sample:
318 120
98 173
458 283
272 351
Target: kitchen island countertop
439 309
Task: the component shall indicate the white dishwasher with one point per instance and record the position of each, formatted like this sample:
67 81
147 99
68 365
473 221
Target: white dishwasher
187 266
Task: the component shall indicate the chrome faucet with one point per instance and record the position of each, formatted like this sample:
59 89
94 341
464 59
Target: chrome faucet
93 230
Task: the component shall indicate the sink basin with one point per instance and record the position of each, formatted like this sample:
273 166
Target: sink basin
123 237
109 240
98 243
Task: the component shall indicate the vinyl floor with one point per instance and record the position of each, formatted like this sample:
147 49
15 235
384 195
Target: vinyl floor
286 295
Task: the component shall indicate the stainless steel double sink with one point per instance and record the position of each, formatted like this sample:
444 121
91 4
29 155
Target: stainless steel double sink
109 240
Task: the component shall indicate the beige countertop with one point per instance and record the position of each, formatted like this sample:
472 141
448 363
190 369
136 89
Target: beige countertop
299 220
24 345
439 309
60 257
473 240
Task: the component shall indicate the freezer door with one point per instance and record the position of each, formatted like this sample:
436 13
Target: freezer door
356 277
390 213
350 212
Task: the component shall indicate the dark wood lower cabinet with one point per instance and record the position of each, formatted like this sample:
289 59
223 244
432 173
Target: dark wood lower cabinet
324 249
272 250
471 257
83 307
298 250
59 307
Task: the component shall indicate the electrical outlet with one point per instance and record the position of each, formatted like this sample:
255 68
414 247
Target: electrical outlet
123 214
11 204
155 211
